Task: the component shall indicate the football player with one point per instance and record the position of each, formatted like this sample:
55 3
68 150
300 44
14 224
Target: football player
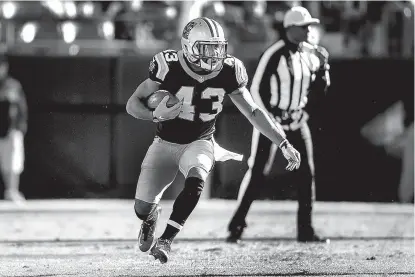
200 75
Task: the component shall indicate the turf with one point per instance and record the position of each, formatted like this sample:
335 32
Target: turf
97 238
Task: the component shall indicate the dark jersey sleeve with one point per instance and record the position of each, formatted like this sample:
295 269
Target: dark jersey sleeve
160 65
239 76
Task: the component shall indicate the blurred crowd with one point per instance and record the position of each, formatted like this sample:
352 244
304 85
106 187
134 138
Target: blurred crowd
349 28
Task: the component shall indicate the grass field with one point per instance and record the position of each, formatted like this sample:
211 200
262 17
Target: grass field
97 238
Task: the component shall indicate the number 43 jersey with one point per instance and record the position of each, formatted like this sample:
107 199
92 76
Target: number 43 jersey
202 95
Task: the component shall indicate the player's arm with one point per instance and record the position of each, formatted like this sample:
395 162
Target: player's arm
260 119
254 110
135 105
158 71
258 116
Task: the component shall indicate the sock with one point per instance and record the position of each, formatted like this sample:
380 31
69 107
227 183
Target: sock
183 206
171 231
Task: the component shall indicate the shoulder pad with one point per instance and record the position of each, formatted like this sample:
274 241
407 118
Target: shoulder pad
161 63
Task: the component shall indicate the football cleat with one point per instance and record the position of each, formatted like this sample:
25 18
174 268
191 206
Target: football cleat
148 230
161 249
235 232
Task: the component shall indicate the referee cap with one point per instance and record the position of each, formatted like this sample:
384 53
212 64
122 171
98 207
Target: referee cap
298 16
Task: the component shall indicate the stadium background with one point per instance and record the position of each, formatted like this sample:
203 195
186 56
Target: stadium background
78 64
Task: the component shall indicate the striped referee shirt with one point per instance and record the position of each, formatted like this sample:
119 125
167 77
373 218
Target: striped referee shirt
282 82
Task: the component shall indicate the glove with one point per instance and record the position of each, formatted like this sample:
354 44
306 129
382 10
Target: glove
291 154
163 113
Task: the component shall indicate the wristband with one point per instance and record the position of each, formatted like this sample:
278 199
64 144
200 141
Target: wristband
155 119
283 144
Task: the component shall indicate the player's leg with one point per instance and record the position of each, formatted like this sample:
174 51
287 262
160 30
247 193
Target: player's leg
158 171
259 163
304 177
12 165
195 163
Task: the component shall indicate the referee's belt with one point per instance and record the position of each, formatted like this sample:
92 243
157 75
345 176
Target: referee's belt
288 114
290 120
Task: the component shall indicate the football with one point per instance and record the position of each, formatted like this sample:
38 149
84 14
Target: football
155 98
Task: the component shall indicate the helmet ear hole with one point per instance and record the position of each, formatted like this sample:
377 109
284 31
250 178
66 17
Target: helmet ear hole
189 54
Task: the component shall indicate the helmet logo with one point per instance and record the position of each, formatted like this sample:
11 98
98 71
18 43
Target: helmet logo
188 28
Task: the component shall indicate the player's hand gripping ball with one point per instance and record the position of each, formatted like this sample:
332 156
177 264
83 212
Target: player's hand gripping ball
154 99
164 105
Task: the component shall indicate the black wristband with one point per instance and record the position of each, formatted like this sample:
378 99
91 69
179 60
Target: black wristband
155 119
283 144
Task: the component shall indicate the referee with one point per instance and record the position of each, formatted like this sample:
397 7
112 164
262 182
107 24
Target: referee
287 72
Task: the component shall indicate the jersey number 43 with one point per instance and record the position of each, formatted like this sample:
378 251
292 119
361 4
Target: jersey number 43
215 95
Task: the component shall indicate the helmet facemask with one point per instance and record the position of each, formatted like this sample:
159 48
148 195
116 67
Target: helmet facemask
208 55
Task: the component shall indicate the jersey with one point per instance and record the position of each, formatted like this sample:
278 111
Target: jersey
282 82
202 95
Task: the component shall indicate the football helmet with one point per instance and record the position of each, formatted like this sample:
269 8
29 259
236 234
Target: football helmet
204 44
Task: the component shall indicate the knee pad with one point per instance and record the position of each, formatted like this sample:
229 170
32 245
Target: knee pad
193 186
143 209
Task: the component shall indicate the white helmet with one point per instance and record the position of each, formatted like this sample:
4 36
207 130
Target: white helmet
204 44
